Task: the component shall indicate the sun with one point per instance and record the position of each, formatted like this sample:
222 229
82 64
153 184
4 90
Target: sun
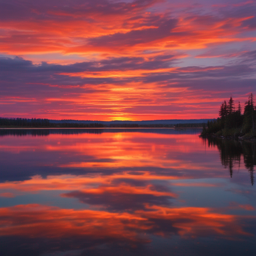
119 116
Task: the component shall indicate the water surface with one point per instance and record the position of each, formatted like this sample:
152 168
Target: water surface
125 192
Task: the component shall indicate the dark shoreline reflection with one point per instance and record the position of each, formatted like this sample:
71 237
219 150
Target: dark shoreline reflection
21 132
232 152
70 131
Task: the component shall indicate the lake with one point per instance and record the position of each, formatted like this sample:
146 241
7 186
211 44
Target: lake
125 192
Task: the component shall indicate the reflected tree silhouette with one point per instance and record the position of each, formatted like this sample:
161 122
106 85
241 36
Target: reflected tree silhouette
69 131
46 132
232 151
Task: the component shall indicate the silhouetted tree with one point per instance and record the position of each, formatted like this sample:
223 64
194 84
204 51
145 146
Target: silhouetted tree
239 109
223 110
230 106
232 122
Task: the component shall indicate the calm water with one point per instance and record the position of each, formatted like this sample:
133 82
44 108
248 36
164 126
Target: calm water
125 192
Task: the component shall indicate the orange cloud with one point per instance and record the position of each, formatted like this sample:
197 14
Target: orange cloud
52 222
114 53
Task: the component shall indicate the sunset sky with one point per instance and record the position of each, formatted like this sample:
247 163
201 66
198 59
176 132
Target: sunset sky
125 60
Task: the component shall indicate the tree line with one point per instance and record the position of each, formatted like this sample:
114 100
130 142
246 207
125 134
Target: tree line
231 121
42 123
22 122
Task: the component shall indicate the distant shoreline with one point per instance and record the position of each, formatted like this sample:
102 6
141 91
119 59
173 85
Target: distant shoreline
19 123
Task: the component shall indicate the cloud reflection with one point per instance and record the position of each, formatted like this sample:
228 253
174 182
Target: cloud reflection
124 190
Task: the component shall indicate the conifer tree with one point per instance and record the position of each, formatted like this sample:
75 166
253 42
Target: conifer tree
230 106
221 112
239 109
232 121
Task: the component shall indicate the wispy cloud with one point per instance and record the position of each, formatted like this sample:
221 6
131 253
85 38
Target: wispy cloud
124 60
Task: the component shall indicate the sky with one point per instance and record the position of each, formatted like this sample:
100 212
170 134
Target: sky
125 60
